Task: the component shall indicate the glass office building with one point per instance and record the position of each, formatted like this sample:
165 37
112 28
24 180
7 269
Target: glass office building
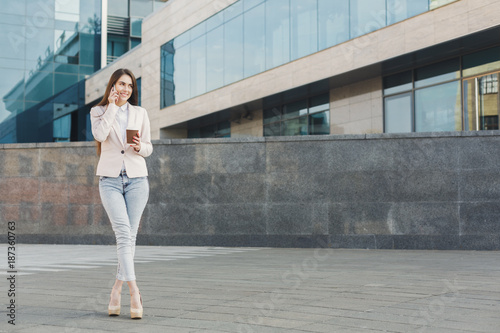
47 49
314 67
456 94
253 36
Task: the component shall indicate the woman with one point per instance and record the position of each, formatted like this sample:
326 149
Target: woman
123 182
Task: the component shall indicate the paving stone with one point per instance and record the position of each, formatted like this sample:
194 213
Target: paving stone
258 290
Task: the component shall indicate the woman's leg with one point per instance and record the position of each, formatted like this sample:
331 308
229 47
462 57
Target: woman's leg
112 196
136 197
116 293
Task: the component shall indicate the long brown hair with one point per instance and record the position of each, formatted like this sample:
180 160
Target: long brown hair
112 80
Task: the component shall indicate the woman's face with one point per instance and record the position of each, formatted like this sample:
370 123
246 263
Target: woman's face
124 88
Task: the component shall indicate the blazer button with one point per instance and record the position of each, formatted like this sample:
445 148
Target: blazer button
123 151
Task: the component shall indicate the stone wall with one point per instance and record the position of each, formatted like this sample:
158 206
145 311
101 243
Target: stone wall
384 191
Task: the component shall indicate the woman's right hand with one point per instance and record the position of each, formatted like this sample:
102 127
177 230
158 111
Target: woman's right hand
113 96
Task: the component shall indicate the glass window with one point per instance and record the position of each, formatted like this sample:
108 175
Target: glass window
14 19
277 33
198 30
215 58
247 4
41 46
436 73
167 75
319 103
141 8
397 83
117 45
13 7
198 66
255 41
438 3
88 53
233 50
10 79
319 123
13 36
136 27
86 70
223 129
333 22
399 10
481 103
90 16
438 108
481 62
182 73
139 90
42 89
62 128
118 8
66 68
218 130
182 39
295 109
67 10
367 16
397 114
272 115
63 81
273 129
304 28
193 133
215 21
233 11
134 42
296 126
302 117
208 131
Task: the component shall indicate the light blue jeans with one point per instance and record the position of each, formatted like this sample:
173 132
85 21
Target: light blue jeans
124 200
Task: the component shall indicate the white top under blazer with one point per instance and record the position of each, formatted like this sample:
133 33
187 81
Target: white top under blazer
114 151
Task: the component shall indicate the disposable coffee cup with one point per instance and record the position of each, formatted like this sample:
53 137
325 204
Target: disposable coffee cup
130 135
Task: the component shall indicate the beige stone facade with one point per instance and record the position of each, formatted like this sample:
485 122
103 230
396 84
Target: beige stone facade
356 108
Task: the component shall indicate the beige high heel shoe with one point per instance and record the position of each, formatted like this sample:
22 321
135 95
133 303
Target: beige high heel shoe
115 310
136 313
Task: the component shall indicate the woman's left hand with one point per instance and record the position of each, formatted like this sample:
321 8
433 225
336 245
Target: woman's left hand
137 140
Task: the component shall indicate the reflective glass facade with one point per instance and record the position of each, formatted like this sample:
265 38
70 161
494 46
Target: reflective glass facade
125 24
252 36
453 95
47 48
309 116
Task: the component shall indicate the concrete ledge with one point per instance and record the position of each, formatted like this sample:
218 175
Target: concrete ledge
210 141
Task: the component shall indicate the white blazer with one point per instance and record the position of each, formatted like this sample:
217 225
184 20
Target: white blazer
114 152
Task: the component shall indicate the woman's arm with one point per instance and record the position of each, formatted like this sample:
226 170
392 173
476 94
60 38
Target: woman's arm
102 122
146 145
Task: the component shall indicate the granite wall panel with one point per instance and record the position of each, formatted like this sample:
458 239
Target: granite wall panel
385 191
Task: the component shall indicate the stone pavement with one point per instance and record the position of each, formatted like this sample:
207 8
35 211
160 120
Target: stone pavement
65 288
